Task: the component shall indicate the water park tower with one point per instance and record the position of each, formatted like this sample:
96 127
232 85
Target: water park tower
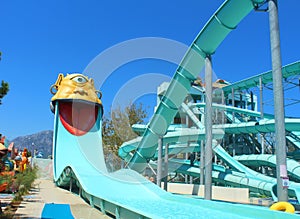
242 100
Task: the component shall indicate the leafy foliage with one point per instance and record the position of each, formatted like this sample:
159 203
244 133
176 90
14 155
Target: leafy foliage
3 90
23 182
19 184
117 129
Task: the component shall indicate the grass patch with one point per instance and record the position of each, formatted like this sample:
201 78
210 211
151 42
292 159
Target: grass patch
19 184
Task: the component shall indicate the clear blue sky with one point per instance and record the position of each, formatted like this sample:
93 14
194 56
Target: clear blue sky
40 39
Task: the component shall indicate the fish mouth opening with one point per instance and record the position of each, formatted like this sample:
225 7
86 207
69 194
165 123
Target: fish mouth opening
78 116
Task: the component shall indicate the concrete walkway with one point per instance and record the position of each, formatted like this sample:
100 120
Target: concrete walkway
46 192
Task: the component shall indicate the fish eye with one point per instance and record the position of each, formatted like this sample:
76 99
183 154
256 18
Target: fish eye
79 79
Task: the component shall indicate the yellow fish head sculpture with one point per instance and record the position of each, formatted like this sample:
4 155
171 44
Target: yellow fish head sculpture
75 87
77 101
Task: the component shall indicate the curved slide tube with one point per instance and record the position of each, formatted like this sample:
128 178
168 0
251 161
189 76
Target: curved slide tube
257 160
267 77
294 188
294 138
222 175
180 135
232 109
263 126
227 178
225 19
234 179
247 177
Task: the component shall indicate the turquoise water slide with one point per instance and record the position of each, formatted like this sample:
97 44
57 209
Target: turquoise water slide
224 176
267 77
294 188
228 178
262 126
176 135
242 177
225 19
125 193
232 109
294 138
258 160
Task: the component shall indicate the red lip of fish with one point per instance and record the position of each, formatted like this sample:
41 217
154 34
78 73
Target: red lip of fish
78 117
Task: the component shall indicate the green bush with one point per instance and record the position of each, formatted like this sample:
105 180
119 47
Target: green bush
23 182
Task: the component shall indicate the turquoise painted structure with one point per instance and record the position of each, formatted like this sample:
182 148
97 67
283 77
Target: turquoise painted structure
242 176
258 160
126 194
224 20
267 77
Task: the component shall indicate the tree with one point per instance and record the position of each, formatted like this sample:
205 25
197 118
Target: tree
117 129
3 90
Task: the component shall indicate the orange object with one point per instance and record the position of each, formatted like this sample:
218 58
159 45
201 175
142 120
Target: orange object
3 186
24 162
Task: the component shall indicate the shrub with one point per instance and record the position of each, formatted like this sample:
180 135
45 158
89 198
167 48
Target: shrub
23 182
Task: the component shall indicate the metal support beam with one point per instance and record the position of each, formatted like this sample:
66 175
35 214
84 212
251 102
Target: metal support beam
261 100
166 167
208 129
252 101
233 103
241 100
223 103
186 157
282 192
261 103
202 163
192 116
159 162
233 120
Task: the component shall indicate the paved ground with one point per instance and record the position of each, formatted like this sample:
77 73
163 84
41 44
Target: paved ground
46 192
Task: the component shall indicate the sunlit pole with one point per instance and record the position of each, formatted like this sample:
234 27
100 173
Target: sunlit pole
208 129
281 172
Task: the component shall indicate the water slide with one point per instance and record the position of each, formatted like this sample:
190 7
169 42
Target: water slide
239 176
77 144
225 19
223 176
289 70
294 138
252 180
294 188
258 160
227 177
265 125
267 77
78 159
262 126
176 135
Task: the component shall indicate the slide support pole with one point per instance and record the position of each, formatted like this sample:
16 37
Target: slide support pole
208 129
281 170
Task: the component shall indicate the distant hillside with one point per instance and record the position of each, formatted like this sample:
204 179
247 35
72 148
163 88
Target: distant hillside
41 141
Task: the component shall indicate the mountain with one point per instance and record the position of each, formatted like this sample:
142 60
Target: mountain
41 141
